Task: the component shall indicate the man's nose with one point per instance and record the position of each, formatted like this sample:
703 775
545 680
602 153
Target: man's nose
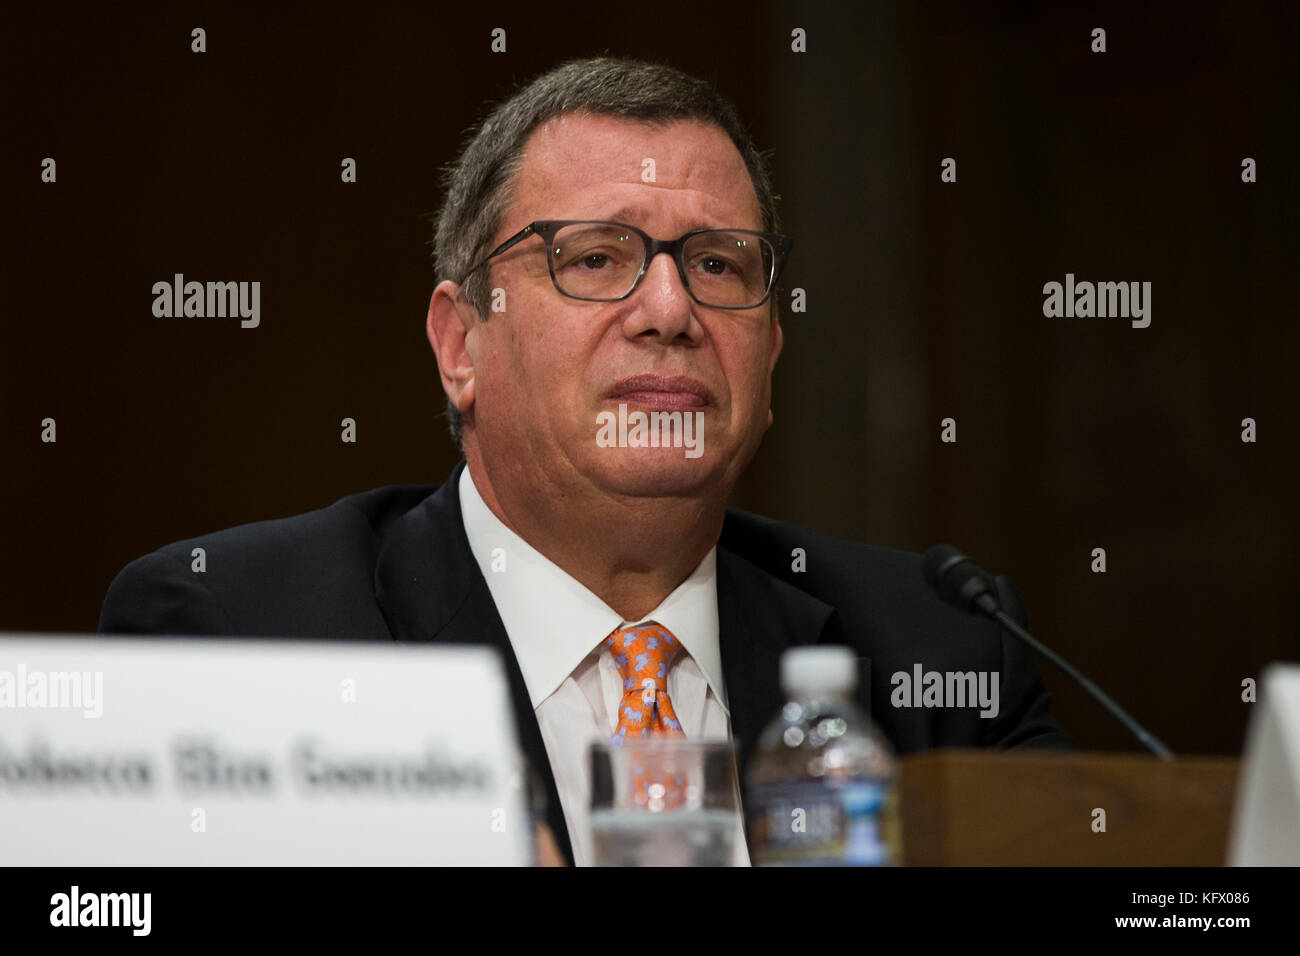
662 307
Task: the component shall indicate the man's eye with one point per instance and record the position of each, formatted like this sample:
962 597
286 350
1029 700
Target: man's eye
716 266
586 261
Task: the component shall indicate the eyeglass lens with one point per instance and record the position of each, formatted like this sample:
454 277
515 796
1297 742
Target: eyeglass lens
602 261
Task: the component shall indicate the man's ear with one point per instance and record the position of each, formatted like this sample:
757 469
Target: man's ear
448 326
777 343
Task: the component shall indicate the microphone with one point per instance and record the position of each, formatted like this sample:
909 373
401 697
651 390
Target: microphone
962 583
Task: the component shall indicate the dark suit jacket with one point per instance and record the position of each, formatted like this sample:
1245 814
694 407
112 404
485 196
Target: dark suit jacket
394 564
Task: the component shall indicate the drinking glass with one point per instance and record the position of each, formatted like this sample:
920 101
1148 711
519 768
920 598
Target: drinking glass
664 801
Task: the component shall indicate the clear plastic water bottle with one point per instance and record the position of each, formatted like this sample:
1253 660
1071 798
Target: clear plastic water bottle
822 789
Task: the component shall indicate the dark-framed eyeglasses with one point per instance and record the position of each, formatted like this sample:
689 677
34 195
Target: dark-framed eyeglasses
600 261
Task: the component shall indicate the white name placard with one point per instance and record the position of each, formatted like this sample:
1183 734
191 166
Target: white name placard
192 751
1266 814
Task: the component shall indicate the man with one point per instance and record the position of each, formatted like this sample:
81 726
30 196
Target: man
608 253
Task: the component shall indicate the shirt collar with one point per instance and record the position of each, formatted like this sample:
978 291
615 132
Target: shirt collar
554 622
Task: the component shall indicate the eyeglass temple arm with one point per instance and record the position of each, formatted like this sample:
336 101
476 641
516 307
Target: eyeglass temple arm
518 237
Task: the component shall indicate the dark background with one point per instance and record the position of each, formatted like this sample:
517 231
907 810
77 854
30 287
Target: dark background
924 298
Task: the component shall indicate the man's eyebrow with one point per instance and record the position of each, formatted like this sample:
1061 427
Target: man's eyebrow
632 217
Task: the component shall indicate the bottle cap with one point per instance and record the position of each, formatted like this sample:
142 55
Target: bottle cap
820 669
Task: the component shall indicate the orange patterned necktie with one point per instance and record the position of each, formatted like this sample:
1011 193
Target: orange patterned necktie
643 653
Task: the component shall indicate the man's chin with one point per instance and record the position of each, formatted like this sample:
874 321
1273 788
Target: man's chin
657 472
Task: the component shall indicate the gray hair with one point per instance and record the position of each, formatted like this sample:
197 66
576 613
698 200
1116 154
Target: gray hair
478 185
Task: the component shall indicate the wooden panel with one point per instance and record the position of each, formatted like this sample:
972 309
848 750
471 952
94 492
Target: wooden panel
995 808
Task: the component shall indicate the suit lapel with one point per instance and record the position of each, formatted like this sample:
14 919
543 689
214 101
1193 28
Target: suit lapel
759 616
430 589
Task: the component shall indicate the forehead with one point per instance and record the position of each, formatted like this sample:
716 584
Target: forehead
578 166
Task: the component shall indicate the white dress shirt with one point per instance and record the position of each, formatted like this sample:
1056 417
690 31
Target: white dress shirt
556 626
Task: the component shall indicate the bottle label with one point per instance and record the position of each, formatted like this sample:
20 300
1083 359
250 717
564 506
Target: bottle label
824 823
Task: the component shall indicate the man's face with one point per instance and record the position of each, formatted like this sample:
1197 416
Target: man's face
548 366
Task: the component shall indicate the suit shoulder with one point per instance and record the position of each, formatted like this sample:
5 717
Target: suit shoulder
263 576
879 592
350 519
822 561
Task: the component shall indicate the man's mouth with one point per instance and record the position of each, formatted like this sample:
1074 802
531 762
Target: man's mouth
659 392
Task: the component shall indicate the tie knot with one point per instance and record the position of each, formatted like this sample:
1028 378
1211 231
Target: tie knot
643 653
